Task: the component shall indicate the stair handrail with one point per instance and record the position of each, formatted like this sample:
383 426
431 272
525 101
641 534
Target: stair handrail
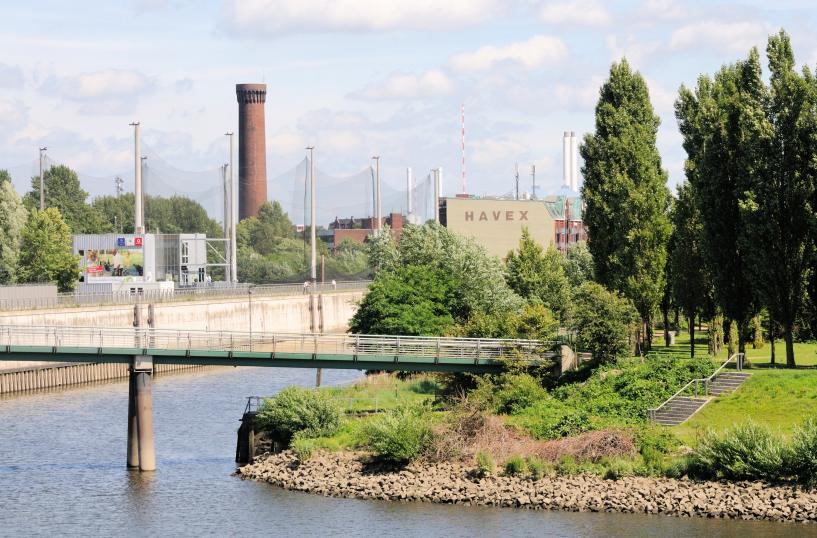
739 364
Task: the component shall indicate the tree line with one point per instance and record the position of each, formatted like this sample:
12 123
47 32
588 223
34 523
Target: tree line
740 238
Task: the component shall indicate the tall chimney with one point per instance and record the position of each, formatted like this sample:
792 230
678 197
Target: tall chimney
252 153
574 163
566 160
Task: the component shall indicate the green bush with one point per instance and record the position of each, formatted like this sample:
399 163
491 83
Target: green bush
515 466
537 468
296 410
303 447
651 437
617 468
747 451
802 456
601 321
485 464
516 392
402 434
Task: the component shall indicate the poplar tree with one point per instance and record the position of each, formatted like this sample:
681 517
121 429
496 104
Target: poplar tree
625 193
690 283
777 207
720 121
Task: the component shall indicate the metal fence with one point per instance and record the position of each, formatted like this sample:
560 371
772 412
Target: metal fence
303 344
64 300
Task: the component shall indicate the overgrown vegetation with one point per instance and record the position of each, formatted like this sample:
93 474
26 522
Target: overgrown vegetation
298 411
402 434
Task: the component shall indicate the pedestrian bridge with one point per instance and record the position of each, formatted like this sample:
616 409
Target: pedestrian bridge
363 352
141 348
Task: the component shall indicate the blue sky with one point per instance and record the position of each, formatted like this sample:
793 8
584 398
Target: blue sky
355 78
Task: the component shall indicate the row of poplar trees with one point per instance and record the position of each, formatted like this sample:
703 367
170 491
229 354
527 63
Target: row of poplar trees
741 235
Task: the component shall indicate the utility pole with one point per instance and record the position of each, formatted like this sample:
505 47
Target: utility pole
312 235
42 180
226 226
533 175
142 174
233 212
139 221
378 215
516 177
409 195
323 269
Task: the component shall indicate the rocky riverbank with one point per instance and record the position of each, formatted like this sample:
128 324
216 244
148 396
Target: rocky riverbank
347 475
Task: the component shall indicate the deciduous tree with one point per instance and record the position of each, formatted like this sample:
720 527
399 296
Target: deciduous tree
45 254
12 220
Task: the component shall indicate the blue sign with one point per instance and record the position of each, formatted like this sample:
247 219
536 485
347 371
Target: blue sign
120 241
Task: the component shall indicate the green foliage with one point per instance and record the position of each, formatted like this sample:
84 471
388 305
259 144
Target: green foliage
515 466
802 454
625 192
45 251
63 192
296 410
302 446
411 300
654 438
176 214
13 218
617 468
514 392
538 469
601 321
578 264
536 274
747 451
757 333
532 321
732 344
264 232
402 434
616 395
478 277
485 464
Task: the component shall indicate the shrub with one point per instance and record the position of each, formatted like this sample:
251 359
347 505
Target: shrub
303 447
515 466
567 466
655 438
516 392
297 410
617 468
747 451
537 468
653 461
485 464
402 434
679 468
601 320
802 456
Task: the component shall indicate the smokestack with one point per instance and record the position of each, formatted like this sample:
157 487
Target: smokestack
574 163
566 160
252 153
440 182
409 194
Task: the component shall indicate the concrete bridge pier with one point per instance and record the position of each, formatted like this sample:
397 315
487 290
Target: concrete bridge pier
141 441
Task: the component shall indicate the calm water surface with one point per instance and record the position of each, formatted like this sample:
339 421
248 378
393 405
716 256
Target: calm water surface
62 473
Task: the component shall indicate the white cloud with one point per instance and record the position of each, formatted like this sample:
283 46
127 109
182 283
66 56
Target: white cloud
108 83
666 10
492 150
729 36
11 76
580 13
636 51
403 86
286 142
580 96
536 51
13 115
272 17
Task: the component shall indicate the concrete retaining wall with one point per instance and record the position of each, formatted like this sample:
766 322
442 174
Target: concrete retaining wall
328 312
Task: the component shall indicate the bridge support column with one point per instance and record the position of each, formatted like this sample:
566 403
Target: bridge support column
141 373
133 428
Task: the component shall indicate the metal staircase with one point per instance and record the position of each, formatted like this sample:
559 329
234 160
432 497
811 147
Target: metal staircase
698 392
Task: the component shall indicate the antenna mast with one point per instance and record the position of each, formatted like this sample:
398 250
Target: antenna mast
462 132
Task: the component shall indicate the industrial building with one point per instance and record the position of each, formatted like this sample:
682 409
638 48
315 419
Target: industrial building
112 263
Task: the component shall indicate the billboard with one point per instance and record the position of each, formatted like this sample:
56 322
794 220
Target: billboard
497 224
117 262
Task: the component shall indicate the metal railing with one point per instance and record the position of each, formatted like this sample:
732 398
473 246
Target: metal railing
63 300
698 382
296 343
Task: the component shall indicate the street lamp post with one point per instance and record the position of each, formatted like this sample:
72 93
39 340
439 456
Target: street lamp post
249 305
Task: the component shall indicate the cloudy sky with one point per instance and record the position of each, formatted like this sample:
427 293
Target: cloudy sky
355 78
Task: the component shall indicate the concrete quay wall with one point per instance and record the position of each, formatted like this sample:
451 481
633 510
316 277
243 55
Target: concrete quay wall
326 312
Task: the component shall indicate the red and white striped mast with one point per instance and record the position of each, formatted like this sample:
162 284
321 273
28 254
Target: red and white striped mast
462 132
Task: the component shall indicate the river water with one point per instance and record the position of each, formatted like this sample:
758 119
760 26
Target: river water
62 473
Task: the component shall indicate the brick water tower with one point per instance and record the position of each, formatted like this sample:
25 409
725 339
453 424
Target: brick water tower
252 151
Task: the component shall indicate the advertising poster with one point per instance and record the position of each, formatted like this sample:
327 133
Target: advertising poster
119 262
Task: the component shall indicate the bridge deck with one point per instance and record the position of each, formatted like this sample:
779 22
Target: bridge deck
365 352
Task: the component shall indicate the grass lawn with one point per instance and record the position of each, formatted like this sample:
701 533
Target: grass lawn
379 392
778 398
